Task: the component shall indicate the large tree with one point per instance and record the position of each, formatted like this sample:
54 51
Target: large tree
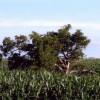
44 50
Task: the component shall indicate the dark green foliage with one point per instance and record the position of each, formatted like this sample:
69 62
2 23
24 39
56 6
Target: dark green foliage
72 44
17 61
43 50
0 57
7 45
13 50
46 54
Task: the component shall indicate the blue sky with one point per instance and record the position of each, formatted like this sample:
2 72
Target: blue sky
23 16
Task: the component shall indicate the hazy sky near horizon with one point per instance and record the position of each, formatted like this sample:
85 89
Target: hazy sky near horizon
24 16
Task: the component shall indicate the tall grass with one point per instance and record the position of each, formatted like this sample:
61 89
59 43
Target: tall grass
44 85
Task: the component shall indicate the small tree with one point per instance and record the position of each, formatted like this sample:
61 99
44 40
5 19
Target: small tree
13 50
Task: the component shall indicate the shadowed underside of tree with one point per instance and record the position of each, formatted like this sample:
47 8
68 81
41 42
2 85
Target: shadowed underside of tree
17 61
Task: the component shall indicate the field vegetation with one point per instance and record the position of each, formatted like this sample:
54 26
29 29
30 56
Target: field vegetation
34 70
42 84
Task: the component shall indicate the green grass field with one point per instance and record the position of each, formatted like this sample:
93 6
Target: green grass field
46 85
92 64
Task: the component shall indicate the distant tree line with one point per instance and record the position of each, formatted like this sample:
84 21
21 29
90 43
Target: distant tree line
43 51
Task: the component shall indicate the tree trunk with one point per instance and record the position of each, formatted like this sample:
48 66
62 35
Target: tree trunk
67 68
63 65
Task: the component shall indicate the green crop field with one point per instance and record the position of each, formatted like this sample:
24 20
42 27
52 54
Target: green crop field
50 85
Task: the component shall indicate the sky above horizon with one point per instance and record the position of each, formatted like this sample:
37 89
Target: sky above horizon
24 16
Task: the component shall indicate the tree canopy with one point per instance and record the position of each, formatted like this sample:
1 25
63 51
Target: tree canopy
43 50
